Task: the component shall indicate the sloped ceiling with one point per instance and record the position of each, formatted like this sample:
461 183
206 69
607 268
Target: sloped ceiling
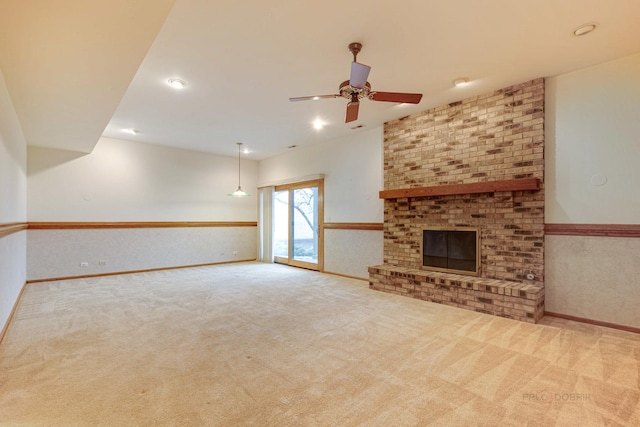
67 63
80 69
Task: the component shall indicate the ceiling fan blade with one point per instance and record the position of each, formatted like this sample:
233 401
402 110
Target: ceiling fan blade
406 98
352 111
359 74
313 98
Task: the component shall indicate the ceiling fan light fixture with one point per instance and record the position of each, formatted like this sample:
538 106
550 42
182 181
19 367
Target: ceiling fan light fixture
177 83
239 192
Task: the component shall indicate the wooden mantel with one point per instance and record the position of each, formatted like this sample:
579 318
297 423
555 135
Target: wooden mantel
523 184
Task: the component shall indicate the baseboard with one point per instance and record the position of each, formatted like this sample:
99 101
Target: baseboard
13 311
593 322
117 273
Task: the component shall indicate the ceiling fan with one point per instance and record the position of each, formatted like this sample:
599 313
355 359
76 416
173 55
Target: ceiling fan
357 88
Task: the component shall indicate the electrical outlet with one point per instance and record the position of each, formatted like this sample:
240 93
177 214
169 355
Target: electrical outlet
84 264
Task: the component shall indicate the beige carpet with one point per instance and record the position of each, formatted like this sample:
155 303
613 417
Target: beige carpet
260 344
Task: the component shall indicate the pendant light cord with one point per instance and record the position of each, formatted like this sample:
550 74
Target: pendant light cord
239 146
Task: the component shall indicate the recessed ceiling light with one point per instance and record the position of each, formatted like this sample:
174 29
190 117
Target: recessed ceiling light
318 124
292 146
177 83
462 81
357 127
584 29
245 150
315 98
131 131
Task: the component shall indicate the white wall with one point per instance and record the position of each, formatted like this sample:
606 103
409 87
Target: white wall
13 188
592 176
353 169
58 253
350 252
595 278
13 162
128 181
592 144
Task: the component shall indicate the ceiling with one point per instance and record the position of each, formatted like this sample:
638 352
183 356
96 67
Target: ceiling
83 69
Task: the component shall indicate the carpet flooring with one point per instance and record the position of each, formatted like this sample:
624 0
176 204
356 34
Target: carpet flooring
268 345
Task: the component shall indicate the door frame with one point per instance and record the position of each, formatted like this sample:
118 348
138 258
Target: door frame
320 226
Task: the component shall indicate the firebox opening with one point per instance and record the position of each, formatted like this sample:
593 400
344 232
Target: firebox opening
451 250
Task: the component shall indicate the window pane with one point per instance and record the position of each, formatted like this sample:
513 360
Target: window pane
305 224
281 224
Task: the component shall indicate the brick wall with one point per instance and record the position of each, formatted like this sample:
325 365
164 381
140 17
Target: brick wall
495 136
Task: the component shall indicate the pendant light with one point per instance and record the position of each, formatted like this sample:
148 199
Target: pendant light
239 191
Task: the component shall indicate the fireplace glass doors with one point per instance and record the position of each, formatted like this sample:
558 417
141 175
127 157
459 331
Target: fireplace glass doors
454 250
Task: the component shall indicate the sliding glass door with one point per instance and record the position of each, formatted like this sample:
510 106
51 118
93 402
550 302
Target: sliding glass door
297 224
281 226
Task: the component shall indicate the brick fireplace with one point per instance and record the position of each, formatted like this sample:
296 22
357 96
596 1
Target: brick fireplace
475 163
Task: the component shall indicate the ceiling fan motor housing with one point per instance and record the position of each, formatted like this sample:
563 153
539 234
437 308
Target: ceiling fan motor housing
348 91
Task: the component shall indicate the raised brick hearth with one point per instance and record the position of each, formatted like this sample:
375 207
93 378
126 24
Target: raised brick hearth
493 137
499 297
